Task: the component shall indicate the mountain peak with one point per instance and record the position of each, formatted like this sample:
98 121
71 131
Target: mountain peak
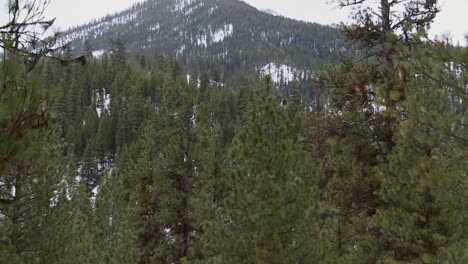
209 34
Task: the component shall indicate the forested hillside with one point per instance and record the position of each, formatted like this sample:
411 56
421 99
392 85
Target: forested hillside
114 160
225 38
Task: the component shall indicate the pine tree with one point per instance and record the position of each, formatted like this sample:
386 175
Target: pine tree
268 212
386 39
167 175
424 187
105 137
34 185
31 186
345 141
210 185
136 110
119 55
354 138
115 213
89 170
80 248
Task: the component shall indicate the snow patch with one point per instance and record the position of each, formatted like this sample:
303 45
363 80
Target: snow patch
189 78
186 6
181 5
209 36
202 40
98 53
378 108
54 200
94 193
279 73
123 19
155 28
220 34
212 82
180 50
286 41
211 11
102 102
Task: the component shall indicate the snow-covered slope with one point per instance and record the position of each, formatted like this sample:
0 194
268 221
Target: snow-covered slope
281 73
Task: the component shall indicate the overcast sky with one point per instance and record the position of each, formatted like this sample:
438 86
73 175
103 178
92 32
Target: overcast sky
453 17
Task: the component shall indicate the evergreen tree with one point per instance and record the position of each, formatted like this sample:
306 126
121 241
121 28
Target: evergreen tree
115 213
167 176
424 186
28 180
34 186
89 168
353 139
81 244
386 38
267 214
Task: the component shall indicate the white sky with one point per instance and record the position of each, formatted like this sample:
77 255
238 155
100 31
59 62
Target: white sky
453 17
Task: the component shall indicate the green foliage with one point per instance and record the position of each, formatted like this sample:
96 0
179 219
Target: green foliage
257 39
117 162
265 217
35 188
424 185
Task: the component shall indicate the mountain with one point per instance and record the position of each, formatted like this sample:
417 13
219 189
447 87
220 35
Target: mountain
228 38
271 12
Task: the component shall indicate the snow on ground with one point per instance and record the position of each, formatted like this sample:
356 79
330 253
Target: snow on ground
54 200
209 36
378 108
13 191
94 193
222 33
181 5
202 40
79 169
187 6
180 50
98 53
189 78
212 82
102 102
155 28
107 102
279 72
123 19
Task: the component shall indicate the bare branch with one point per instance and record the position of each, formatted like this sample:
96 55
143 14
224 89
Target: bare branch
346 3
25 34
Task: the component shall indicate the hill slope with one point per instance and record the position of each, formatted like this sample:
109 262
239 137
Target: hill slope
227 36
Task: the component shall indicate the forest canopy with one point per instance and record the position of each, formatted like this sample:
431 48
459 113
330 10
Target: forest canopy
108 160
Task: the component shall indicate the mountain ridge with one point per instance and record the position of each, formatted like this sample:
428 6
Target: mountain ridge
229 36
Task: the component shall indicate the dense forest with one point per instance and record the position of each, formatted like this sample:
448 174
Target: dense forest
225 38
117 160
